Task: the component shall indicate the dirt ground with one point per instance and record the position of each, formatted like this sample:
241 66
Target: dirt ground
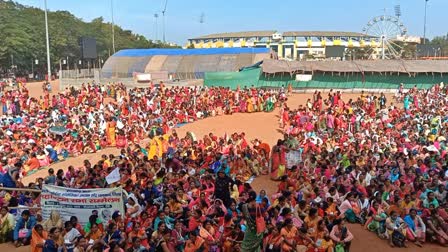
263 126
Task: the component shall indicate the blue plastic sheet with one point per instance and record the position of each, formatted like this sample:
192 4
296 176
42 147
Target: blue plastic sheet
208 51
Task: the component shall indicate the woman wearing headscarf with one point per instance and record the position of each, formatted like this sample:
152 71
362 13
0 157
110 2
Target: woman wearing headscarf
38 237
55 220
222 188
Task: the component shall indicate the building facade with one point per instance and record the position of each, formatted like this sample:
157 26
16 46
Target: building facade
288 45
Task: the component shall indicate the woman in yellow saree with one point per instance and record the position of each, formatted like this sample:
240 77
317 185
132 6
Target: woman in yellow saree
152 148
110 132
250 105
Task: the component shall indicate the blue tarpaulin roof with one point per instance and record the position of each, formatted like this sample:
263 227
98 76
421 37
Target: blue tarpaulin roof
210 51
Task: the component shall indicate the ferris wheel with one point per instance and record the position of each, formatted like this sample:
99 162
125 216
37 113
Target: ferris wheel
387 29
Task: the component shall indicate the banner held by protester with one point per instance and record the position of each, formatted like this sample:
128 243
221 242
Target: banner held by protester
81 202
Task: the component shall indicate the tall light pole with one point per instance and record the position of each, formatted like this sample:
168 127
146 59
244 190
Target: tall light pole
163 15
48 42
156 16
424 25
113 30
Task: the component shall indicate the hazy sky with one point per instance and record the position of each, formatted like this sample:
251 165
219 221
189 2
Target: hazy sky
182 16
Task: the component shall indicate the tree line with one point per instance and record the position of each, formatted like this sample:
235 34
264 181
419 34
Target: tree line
22 37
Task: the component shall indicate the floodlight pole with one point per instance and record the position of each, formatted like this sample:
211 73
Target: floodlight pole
48 42
113 28
163 16
156 16
424 25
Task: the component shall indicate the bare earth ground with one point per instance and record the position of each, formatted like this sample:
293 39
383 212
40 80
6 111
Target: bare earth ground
258 125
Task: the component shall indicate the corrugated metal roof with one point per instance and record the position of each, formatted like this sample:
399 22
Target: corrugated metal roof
209 51
285 34
324 34
374 66
238 34
185 64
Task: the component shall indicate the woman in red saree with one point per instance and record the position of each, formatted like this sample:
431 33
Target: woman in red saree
232 238
273 241
243 105
121 141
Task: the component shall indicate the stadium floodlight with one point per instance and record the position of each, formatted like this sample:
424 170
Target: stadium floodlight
202 18
163 15
156 27
397 11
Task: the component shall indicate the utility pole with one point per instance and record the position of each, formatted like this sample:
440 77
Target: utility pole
424 24
48 43
113 29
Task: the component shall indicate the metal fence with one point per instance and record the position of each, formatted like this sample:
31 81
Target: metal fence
78 77
78 73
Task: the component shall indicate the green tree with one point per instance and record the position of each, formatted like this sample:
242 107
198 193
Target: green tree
22 35
442 43
359 53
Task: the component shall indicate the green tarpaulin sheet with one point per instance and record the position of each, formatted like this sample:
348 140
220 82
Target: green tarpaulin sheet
322 81
232 79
